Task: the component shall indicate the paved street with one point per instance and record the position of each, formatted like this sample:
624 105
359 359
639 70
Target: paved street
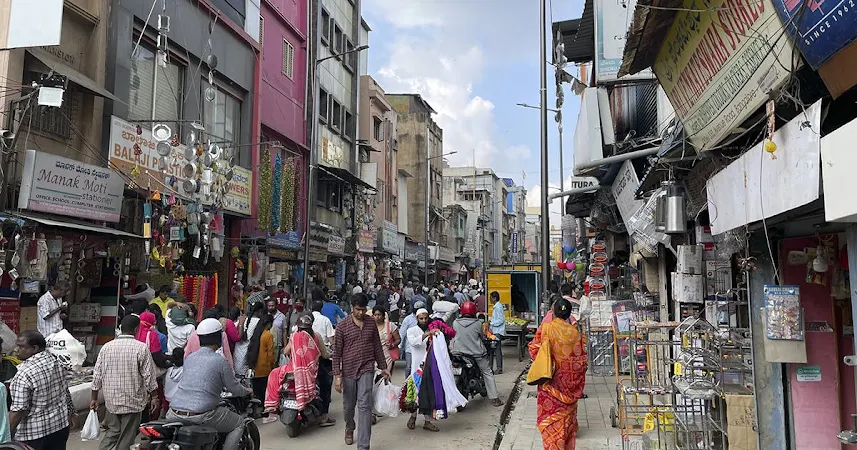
593 416
475 427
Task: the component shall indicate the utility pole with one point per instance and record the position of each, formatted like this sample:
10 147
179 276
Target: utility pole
543 113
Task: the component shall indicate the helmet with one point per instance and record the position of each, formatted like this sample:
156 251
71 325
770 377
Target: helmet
468 309
305 322
419 305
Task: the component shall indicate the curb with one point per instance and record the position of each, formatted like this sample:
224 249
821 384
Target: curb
514 395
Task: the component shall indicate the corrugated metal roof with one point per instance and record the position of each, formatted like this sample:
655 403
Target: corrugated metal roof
578 35
647 33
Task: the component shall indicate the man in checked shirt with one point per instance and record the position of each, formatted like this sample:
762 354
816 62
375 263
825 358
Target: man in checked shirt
42 409
356 352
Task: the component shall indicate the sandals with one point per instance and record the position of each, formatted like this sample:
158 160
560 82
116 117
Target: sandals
327 423
412 423
428 426
497 402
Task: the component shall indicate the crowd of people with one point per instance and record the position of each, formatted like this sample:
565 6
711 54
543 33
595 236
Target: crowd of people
170 360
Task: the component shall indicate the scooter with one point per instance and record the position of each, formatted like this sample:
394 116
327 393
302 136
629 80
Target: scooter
468 376
295 420
171 435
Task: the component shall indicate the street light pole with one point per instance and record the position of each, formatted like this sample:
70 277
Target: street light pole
313 151
543 113
428 199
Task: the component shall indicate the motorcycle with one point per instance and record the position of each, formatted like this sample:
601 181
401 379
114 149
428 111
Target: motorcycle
290 416
468 376
170 434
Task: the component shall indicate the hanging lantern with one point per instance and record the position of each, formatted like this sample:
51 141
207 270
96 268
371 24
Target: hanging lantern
676 222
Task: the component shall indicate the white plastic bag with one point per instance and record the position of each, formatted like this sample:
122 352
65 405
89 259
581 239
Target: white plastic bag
8 337
91 428
67 349
386 398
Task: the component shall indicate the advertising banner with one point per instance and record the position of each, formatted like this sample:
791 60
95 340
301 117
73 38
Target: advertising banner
388 238
64 186
366 242
820 32
717 67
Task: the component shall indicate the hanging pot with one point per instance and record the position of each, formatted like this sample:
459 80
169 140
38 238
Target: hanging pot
600 258
161 132
162 164
163 148
190 154
189 171
190 186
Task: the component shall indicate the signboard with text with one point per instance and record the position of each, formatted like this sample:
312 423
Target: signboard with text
612 20
123 137
716 70
820 32
64 186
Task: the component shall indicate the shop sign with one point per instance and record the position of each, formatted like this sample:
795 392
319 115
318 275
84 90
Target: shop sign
716 70
445 254
289 240
515 242
366 242
414 251
623 189
610 32
336 245
388 238
331 153
809 373
64 186
279 253
819 32
400 246
123 136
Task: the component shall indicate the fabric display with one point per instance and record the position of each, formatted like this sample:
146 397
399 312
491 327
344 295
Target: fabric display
199 290
32 261
437 394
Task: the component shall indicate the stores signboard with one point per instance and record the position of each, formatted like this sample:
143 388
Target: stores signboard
290 240
64 186
336 245
366 241
612 20
820 32
414 251
388 238
716 70
623 189
123 137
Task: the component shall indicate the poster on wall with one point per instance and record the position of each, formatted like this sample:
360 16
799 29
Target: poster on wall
64 186
820 29
714 68
783 313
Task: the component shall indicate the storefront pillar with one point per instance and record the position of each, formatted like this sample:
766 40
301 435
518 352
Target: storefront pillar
851 236
767 376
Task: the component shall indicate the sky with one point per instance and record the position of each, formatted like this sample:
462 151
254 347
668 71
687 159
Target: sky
473 61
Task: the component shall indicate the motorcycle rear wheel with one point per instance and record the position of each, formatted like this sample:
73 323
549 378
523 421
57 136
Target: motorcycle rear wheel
293 429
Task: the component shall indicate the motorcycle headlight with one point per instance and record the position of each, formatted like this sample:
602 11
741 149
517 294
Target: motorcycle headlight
174 447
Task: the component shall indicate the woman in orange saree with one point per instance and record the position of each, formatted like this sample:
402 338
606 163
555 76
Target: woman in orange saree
557 398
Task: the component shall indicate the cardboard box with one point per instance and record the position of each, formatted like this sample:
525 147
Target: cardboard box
28 319
718 279
688 288
703 235
689 259
708 251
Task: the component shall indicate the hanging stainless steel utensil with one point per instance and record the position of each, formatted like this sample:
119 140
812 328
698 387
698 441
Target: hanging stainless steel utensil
162 132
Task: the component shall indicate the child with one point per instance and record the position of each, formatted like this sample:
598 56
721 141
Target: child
174 373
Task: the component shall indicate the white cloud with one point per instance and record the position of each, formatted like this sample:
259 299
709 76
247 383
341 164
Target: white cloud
438 49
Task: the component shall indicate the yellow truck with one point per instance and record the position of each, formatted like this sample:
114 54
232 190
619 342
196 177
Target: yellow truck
526 277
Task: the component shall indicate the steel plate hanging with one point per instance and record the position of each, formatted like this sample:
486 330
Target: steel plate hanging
162 132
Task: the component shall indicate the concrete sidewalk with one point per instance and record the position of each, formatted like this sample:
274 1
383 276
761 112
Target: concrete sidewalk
593 415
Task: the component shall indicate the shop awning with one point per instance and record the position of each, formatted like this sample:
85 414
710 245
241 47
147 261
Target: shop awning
75 225
73 75
347 176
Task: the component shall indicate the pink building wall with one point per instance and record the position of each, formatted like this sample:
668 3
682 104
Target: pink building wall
283 98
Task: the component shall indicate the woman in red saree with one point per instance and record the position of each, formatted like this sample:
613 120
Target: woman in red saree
303 350
557 398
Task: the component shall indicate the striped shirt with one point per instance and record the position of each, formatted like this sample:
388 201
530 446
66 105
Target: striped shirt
356 350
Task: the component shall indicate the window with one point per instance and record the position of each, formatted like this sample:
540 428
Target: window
336 115
338 39
325 26
329 195
155 91
288 59
349 59
323 105
222 117
261 29
349 124
378 129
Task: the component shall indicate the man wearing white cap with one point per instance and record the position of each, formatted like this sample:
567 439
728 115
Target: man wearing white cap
207 374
